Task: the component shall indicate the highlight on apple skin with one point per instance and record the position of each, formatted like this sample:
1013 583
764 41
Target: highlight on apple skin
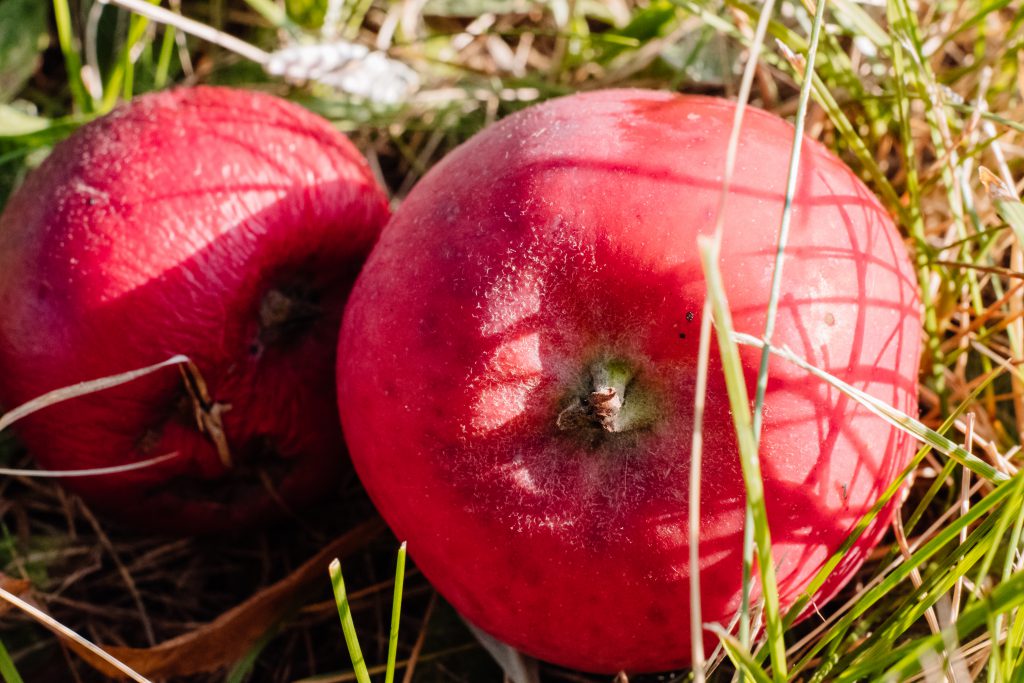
518 362
223 224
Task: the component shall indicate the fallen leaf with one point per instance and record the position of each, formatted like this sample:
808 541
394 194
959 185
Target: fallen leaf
230 636
12 585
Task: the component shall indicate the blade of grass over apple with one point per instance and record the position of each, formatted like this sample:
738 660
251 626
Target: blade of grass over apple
840 632
696 451
863 523
892 415
787 218
933 440
91 472
732 367
884 589
703 356
83 388
783 239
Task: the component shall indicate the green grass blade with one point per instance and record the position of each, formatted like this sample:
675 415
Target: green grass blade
876 651
1012 647
7 669
745 664
891 415
862 23
822 94
72 60
739 402
396 614
1014 640
1006 516
122 78
242 670
1006 596
819 579
163 64
787 217
780 251
348 627
947 535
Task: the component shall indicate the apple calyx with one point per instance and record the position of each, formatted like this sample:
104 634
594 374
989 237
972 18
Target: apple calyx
608 401
283 313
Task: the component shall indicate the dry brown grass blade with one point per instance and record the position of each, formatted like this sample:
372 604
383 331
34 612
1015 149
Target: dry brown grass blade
230 636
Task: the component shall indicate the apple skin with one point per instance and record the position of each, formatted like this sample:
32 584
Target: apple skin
223 224
564 239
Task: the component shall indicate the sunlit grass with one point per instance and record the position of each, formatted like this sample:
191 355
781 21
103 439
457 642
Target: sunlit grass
348 627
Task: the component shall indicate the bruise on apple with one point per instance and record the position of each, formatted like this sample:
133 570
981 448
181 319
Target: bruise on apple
222 224
552 260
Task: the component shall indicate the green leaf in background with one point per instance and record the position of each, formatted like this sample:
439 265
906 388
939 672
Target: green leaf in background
654 21
23 37
472 8
306 13
14 122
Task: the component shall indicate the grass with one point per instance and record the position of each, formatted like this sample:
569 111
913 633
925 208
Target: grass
917 99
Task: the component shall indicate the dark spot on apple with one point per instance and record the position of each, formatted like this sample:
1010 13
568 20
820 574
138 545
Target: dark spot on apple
656 615
689 316
682 335
147 443
286 312
180 408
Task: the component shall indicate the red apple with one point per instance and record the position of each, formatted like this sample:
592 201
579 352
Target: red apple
519 360
222 224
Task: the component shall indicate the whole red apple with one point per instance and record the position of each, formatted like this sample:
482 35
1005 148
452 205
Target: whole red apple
222 224
519 361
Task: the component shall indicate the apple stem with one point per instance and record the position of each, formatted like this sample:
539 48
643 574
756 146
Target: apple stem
208 413
604 406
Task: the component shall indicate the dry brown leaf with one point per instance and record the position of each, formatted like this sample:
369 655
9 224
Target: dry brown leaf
230 636
12 585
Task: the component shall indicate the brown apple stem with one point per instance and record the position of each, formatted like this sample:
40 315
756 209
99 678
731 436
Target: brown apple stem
208 413
609 405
